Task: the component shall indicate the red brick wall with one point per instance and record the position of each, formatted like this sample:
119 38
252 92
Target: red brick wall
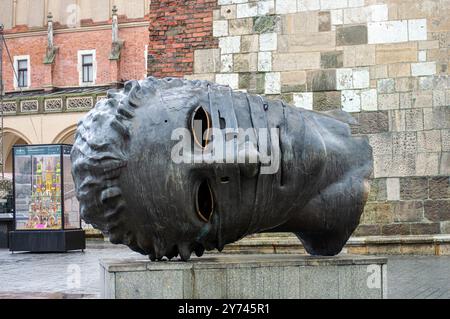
177 28
132 62
65 72
35 47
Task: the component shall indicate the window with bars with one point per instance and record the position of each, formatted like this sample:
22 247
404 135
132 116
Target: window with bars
87 68
22 73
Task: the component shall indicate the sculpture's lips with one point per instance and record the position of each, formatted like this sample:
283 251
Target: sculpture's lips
130 182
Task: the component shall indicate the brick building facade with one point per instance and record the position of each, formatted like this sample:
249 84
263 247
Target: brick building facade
52 40
385 61
177 29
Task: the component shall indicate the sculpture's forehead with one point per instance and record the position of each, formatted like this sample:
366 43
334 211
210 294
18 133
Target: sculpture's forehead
179 98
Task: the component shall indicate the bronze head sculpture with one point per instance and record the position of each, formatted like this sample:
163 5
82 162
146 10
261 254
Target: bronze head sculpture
172 166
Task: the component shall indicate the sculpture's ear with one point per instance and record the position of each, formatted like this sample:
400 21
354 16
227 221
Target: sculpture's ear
342 116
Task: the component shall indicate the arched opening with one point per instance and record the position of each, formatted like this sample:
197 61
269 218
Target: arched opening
69 139
11 139
67 136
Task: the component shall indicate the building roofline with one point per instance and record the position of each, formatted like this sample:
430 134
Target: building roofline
58 91
43 32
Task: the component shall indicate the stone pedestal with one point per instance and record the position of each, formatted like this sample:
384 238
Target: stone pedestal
247 276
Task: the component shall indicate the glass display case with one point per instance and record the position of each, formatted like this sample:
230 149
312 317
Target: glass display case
45 206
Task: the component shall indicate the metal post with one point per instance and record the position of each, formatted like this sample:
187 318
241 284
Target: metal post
1 99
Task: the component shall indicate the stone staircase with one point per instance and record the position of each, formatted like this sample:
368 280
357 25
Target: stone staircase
287 243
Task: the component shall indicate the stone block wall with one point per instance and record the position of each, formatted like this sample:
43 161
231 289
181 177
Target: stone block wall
385 61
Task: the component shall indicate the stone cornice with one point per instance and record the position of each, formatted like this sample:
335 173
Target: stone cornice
78 29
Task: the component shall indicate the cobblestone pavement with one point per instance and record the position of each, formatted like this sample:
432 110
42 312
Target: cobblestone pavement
54 275
42 275
419 277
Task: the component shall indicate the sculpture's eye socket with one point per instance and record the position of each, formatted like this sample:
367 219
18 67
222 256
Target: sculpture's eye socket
204 203
200 126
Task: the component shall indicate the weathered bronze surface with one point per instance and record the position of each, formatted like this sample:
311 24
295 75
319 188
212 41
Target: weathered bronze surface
130 186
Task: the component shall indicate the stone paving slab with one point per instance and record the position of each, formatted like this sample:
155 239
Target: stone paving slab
43 295
76 274
57 273
419 277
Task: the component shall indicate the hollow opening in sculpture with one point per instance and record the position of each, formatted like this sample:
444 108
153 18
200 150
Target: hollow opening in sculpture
201 127
204 202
